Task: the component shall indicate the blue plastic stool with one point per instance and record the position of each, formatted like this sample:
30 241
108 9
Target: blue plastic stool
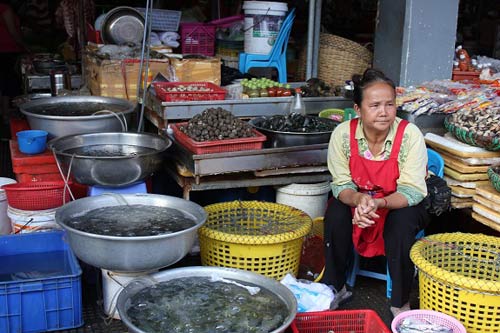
435 163
135 188
351 279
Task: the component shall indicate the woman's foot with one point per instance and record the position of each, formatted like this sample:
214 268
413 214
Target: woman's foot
395 311
340 297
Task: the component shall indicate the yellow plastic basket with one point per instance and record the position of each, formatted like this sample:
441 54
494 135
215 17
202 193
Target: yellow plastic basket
459 275
261 237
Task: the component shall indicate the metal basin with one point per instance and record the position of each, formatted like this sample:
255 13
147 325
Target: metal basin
68 115
122 25
277 139
130 254
241 276
112 158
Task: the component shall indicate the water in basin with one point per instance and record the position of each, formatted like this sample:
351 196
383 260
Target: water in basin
203 305
76 109
132 221
108 150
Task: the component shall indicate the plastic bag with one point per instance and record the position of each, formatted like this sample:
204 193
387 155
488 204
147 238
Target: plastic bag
311 296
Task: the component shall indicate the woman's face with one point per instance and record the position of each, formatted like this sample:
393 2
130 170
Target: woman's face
378 108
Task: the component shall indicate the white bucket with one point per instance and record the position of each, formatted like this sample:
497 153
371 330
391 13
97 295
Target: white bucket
263 21
112 285
5 226
310 198
25 221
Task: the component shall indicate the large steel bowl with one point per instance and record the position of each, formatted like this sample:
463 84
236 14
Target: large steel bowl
130 254
68 115
277 139
241 276
110 159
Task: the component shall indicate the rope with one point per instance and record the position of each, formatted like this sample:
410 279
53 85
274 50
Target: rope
123 122
65 178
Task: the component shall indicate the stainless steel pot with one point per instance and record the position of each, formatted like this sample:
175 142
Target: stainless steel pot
69 115
130 254
122 25
241 276
276 139
110 159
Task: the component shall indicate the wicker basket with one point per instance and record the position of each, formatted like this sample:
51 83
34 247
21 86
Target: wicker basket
261 237
459 275
339 60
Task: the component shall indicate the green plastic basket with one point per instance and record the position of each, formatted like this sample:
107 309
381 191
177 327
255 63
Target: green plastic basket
472 138
494 176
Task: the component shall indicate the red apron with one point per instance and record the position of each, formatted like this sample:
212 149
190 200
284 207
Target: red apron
377 178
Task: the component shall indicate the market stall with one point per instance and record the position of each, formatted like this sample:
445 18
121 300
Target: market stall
211 128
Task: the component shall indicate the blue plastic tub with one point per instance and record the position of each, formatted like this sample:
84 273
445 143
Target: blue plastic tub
40 284
32 141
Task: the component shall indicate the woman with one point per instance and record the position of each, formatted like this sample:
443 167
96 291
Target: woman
11 46
378 164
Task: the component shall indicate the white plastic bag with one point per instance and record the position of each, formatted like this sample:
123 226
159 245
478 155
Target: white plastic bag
311 296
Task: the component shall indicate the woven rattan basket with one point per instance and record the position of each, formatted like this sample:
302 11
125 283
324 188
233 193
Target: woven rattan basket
339 60
261 237
459 275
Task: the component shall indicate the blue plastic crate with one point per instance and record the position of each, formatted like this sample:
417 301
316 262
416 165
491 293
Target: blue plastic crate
163 19
40 283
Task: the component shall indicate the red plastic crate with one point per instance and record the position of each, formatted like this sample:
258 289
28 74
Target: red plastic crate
198 38
218 146
164 92
464 75
339 321
38 177
36 195
36 164
17 125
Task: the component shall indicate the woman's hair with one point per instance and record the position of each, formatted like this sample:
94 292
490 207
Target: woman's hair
369 77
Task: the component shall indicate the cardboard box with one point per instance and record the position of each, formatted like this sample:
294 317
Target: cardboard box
196 70
118 78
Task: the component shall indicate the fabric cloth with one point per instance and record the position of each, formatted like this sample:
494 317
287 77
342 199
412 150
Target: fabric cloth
7 43
400 228
378 178
412 159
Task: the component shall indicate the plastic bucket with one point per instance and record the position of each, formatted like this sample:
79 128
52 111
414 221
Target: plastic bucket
5 225
262 23
310 198
32 141
25 221
112 285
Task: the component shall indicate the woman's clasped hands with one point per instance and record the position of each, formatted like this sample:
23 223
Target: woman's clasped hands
365 211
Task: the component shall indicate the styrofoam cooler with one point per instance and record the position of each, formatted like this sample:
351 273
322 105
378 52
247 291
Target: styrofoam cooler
310 198
5 224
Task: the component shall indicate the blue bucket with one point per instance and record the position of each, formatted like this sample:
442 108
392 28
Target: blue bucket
32 141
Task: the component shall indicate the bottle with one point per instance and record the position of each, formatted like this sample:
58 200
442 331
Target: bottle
298 105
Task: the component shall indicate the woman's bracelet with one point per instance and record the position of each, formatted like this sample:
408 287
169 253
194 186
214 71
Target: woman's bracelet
385 202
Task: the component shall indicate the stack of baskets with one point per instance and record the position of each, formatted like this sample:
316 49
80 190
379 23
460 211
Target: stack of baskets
339 60
459 275
261 237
